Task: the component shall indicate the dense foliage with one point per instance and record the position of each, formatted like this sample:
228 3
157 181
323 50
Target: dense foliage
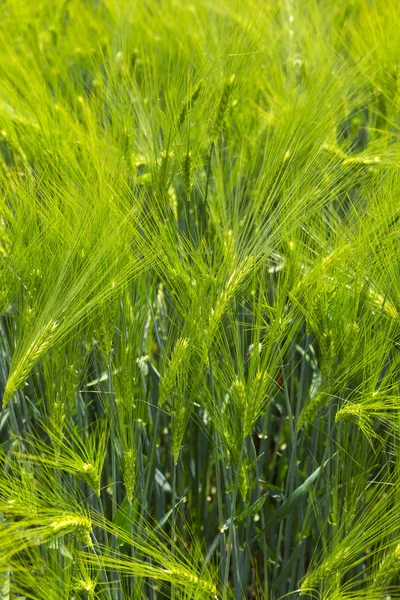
199 295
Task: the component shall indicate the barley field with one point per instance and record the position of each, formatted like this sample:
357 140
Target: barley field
199 296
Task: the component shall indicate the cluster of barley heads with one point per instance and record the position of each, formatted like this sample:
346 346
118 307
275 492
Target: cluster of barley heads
199 300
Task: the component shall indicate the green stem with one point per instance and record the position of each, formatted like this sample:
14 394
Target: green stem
232 533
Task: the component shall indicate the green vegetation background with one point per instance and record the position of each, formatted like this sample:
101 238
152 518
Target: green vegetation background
199 296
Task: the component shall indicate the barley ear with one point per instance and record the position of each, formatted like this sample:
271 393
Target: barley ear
223 106
20 371
186 108
174 367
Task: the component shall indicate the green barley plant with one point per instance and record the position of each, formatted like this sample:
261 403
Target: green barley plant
199 300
